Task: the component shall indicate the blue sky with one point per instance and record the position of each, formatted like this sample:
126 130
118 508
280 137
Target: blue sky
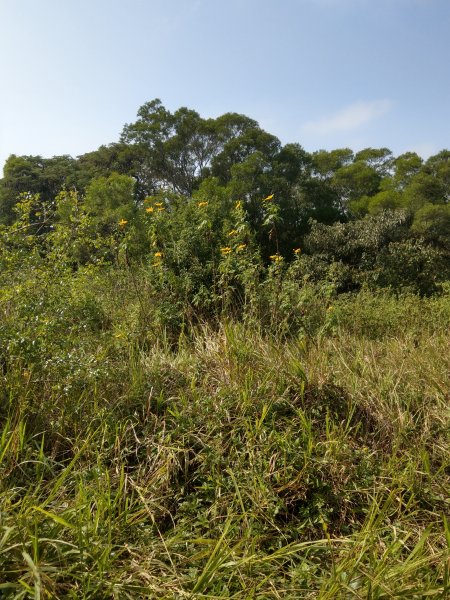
323 73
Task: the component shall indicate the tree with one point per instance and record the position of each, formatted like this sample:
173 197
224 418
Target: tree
325 163
120 158
353 181
438 166
344 177
432 221
34 175
111 198
176 147
384 200
182 149
379 159
423 188
405 167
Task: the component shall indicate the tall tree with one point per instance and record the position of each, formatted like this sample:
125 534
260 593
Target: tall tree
34 175
183 149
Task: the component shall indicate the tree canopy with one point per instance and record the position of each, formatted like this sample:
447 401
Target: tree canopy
330 202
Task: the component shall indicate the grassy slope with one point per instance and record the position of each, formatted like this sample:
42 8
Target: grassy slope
227 462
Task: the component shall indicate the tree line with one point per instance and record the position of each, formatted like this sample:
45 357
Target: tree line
352 211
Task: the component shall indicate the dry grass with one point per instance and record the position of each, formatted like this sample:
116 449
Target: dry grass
230 463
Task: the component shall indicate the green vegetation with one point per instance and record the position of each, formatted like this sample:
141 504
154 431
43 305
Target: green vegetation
224 369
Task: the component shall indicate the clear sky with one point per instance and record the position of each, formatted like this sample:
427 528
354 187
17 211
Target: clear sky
323 73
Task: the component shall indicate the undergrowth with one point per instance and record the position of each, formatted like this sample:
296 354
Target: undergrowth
146 452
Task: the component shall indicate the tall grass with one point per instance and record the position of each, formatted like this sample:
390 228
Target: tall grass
222 459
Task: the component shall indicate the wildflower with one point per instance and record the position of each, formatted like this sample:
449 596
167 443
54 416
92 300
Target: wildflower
232 232
158 254
149 209
225 250
201 204
240 247
161 208
297 251
123 222
276 258
238 204
158 203
268 198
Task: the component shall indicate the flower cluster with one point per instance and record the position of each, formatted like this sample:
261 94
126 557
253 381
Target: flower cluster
276 258
157 206
228 249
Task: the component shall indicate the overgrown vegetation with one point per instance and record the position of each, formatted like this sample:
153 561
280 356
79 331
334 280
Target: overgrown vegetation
224 370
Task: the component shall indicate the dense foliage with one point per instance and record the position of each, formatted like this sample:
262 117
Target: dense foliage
366 217
224 369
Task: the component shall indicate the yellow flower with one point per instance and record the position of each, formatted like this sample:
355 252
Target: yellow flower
201 204
161 208
150 209
276 258
225 250
297 251
238 204
158 203
232 232
123 222
268 198
158 254
241 247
